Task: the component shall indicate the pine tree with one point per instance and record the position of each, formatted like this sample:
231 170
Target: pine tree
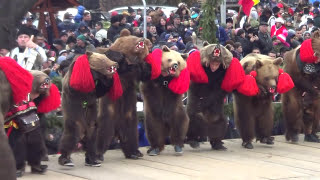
207 21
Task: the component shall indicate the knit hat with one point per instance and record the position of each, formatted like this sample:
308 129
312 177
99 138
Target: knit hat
282 38
24 30
130 9
114 19
82 37
280 20
114 13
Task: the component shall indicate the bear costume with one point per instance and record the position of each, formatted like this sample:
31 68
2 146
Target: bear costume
29 146
302 63
214 73
253 109
16 83
90 76
119 118
166 116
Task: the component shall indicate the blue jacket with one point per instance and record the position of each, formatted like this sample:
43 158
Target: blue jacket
78 17
221 34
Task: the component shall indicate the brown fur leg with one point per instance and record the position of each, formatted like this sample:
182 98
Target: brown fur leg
315 125
264 124
155 131
197 128
291 102
179 127
91 132
128 135
106 127
35 147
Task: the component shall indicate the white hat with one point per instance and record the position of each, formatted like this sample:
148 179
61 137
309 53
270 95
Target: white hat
280 20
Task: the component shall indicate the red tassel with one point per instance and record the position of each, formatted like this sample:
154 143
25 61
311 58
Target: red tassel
285 82
180 84
249 86
51 102
20 79
197 73
306 52
116 89
81 78
233 77
154 59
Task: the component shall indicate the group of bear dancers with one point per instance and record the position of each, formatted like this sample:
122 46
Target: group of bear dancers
99 98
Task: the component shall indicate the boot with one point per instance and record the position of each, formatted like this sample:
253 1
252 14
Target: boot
64 161
41 169
178 150
153 151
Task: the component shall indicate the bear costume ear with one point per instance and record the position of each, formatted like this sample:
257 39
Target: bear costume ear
278 61
184 56
165 48
205 43
258 64
316 34
89 53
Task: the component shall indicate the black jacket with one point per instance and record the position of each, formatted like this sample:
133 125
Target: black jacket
264 43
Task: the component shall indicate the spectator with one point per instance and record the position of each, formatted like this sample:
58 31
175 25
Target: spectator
221 34
298 35
238 51
162 26
310 25
289 24
316 18
87 19
58 45
256 50
71 42
272 54
79 16
245 43
64 37
132 16
28 54
101 33
67 24
114 28
278 28
83 45
306 35
177 26
264 42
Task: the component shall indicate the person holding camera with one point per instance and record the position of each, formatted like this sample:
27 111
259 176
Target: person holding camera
264 41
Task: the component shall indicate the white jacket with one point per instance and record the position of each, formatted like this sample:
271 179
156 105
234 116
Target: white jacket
102 33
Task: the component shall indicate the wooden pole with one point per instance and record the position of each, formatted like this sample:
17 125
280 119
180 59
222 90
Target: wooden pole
53 20
42 25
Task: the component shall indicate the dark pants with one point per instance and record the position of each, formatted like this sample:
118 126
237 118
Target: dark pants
27 147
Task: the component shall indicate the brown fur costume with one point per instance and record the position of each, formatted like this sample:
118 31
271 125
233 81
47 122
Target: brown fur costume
304 99
119 118
207 92
7 166
254 114
80 107
164 112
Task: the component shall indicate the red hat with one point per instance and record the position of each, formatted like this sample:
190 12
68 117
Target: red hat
20 79
280 5
306 52
114 13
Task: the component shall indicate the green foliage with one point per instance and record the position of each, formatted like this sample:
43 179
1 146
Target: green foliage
207 23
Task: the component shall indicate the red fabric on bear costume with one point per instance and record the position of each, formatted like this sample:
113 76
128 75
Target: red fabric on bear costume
154 59
180 85
51 102
234 76
249 86
306 52
285 82
81 78
116 90
197 73
20 79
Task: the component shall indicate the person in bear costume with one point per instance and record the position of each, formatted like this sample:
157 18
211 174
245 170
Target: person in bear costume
29 146
167 116
253 109
90 77
302 63
119 118
214 73
16 84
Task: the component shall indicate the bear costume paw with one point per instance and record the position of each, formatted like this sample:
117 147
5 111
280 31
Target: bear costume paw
41 169
92 163
247 145
294 138
266 140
